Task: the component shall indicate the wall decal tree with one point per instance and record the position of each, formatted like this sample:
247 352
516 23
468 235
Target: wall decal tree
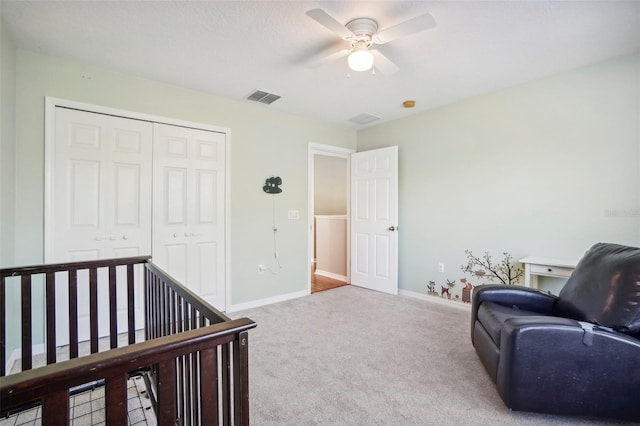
505 271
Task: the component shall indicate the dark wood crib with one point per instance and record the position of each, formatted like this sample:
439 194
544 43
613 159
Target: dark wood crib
194 358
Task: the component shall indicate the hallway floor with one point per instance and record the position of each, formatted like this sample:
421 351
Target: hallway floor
321 283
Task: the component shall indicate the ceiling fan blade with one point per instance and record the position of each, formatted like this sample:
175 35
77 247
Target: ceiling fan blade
325 57
413 25
327 21
382 63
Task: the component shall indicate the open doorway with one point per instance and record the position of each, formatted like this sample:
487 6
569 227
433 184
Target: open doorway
329 170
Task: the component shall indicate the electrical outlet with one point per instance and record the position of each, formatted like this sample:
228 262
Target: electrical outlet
261 269
441 267
294 214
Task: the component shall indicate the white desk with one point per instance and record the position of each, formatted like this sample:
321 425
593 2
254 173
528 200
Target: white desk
539 266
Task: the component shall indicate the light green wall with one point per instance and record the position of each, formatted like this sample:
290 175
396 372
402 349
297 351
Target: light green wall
7 172
544 169
264 142
7 143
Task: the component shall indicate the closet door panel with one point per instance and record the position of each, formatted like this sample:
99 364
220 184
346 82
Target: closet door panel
98 202
84 196
189 198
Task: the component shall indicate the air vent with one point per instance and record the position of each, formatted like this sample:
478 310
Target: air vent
364 118
263 97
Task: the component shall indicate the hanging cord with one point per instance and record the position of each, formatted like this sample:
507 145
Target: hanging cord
275 241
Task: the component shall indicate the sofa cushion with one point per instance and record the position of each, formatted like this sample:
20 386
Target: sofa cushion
605 289
493 315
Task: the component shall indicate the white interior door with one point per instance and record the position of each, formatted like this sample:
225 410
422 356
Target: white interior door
99 201
374 219
188 212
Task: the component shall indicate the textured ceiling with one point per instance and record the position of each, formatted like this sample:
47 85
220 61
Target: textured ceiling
230 48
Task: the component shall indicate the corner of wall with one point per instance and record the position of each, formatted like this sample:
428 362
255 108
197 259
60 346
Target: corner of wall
7 144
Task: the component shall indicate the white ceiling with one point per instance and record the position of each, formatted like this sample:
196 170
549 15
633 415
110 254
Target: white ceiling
230 48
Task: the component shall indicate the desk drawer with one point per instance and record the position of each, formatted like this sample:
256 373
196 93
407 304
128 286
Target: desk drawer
551 271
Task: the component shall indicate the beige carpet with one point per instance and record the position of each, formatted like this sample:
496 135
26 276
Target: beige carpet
350 356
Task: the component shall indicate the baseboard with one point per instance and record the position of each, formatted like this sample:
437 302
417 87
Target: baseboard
267 301
13 357
16 354
331 275
434 299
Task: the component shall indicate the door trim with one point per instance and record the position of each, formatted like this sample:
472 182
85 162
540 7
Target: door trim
329 151
49 144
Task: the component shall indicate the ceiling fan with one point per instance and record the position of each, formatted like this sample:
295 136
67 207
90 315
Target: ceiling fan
362 34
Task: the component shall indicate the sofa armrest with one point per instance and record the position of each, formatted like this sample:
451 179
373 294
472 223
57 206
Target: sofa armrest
561 366
524 298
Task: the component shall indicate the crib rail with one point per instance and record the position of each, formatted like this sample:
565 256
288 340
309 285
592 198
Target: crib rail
50 384
196 357
32 280
171 309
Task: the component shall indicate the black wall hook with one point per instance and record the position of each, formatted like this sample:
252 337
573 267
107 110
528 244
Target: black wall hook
272 185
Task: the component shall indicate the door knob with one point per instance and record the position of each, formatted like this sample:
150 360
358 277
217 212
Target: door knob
392 228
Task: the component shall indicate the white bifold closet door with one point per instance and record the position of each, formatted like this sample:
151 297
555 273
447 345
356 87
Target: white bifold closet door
122 187
188 213
98 204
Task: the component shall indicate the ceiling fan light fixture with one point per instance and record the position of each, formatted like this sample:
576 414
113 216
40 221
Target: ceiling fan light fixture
360 59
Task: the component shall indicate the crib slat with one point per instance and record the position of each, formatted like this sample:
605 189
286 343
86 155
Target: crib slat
26 322
113 316
166 311
226 383
185 316
157 308
73 313
55 408
194 318
3 328
209 386
179 317
146 291
93 309
166 392
186 402
131 305
195 387
149 306
50 290
115 391
241 378
174 321
180 388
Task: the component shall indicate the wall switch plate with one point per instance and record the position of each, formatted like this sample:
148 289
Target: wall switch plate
441 267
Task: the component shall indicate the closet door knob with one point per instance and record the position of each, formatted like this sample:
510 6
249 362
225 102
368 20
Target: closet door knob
392 228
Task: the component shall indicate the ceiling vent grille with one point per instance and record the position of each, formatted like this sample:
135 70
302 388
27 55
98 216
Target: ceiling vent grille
263 97
364 118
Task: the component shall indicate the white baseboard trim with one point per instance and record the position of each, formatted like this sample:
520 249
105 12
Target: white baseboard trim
331 275
434 299
13 357
267 301
16 354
